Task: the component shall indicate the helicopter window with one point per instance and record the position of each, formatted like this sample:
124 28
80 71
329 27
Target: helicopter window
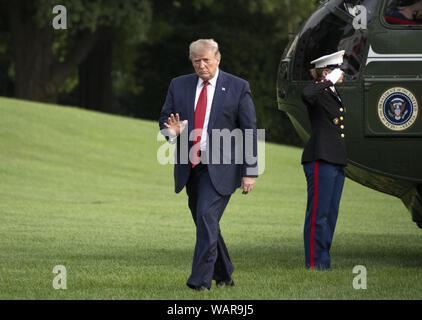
404 12
329 30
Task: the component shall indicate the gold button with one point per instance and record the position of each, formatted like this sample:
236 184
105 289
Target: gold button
335 121
342 135
341 109
342 126
341 118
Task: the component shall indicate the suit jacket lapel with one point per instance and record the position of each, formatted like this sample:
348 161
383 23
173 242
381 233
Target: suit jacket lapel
220 93
190 101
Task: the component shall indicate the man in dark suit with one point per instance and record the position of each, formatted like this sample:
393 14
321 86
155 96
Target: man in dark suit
323 159
202 114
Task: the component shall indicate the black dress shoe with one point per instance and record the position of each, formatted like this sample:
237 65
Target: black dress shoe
198 288
224 283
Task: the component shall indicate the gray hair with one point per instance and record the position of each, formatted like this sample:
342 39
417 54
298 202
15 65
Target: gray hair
201 45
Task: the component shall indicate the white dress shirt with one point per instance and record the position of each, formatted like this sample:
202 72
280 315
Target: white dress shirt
210 97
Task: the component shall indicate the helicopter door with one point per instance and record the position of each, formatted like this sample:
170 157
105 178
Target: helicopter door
393 75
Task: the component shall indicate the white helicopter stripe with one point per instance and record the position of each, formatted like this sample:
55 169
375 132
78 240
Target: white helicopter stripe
376 57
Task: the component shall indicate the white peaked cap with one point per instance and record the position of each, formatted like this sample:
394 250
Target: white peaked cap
331 59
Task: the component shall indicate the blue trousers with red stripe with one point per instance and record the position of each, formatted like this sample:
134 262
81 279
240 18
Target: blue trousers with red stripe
325 185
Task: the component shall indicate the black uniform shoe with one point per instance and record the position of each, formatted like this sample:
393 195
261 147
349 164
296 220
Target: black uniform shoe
198 288
224 283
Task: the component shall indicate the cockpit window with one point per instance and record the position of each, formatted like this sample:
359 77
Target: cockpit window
337 25
404 12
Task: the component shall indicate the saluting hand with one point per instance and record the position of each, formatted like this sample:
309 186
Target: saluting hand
174 126
335 76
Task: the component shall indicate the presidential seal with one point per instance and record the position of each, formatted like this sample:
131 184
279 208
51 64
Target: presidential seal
397 108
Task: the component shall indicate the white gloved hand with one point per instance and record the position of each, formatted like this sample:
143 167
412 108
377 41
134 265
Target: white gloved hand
334 75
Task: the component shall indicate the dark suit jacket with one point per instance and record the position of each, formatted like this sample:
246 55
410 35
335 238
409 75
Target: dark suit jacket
326 113
232 108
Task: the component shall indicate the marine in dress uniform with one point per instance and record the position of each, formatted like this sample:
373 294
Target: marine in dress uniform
323 159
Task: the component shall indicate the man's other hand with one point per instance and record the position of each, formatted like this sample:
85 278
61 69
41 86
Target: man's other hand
247 184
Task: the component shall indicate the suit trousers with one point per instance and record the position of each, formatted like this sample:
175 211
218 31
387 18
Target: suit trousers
324 185
211 258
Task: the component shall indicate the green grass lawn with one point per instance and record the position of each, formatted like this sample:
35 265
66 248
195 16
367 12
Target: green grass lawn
84 190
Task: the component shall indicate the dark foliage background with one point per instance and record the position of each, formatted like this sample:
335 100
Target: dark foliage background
119 56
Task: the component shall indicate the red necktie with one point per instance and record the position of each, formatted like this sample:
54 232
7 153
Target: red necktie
201 109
